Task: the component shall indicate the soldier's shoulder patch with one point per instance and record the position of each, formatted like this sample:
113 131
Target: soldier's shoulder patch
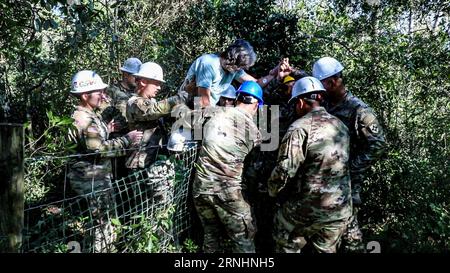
367 115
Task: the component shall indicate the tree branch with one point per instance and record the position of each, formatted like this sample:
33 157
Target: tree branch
38 84
332 39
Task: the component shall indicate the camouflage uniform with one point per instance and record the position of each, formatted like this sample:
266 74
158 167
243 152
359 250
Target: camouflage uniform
190 122
260 165
115 109
91 174
316 202
159 186
263 162
229 136
273 95
366 144
144 115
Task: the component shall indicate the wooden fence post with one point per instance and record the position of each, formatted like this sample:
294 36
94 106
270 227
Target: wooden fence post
11 186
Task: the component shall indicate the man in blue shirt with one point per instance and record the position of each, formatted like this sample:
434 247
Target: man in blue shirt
210 74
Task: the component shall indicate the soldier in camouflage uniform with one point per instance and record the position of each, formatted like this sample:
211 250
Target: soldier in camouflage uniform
311 179
118 94
91 174
114 109
145 114
261 163
367 140
227 97
229 136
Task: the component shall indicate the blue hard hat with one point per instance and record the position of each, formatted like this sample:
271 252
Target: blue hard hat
229 93
131 65
253 89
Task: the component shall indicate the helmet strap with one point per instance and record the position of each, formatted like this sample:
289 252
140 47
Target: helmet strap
301 102
246 99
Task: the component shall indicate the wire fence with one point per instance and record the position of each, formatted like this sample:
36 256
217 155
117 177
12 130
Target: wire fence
146 211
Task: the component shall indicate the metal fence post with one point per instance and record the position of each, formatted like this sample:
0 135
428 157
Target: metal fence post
11 186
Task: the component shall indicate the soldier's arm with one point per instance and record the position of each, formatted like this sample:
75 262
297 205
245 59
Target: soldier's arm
263 81
278 72
371 130
203 81
108 109
109 113
270 88
145 109
96 143
205 94
290 157
298 73
257 137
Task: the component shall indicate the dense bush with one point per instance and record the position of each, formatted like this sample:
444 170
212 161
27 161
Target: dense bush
396 55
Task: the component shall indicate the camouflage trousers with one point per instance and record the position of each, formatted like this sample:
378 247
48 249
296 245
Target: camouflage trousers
102 208
352 239
226 213
290 238
256 174
264 209
158 186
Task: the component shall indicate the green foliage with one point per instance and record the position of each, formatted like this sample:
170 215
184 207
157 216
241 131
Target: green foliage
146 235
396 57
35 188
42 175
54 139
52 228
190 247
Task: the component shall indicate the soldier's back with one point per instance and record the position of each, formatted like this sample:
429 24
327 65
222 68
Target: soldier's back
322 188
347 111
228 138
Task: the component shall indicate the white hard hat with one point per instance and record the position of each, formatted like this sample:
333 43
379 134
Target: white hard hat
229 93
326 67
178 139
151 71
306 85
85 81
131 65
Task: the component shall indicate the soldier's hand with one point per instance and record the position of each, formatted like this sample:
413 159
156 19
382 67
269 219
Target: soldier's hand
285 68
135 136
191 87
113 126
284 63
183 96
